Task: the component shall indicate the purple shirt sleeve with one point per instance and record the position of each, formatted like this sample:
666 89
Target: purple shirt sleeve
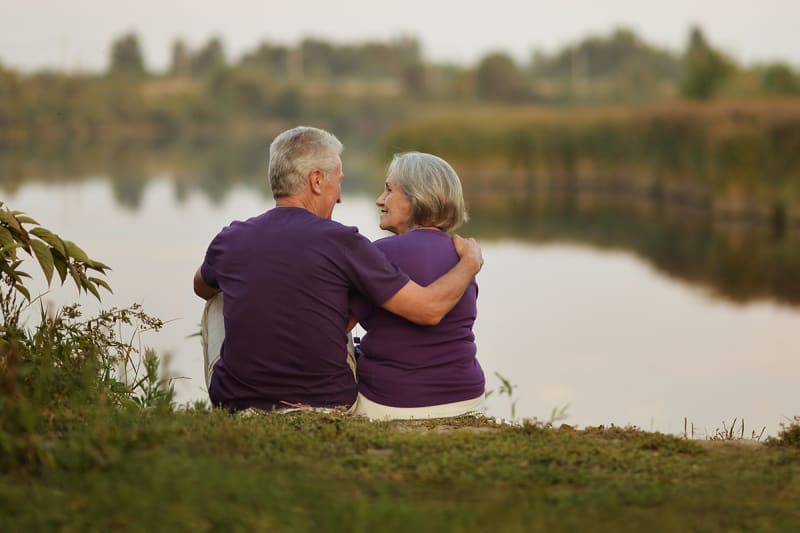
208 268
375 278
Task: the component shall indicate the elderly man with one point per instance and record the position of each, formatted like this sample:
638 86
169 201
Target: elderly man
286 275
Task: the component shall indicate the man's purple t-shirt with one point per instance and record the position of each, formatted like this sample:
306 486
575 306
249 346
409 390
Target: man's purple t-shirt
286 276
406 365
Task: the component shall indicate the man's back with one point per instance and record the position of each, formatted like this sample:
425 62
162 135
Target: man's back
286 275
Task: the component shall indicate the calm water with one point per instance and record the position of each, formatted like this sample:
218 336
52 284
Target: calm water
569 324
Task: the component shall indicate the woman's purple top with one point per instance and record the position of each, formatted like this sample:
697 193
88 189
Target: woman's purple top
406 365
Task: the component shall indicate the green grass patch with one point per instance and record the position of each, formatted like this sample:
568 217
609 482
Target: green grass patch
210 470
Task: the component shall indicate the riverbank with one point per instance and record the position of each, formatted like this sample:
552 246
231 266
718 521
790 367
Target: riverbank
200 470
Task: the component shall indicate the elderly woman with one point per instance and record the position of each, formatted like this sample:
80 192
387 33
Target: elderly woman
408 371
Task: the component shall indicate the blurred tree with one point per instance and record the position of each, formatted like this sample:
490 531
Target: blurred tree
317 58
289 104
606 57
209 59
778 78
250 95
370 59
269 57
181 59
126 56
13 99
388 59
415 79
619 66
704 68
498 77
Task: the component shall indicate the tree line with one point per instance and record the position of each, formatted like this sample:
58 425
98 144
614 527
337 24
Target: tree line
356 89
618 66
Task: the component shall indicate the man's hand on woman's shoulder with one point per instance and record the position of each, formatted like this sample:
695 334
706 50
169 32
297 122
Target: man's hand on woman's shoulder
469 250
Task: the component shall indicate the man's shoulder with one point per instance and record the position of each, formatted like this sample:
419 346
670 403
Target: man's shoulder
334 231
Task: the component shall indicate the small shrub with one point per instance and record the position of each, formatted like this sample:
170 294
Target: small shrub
68 370
789 435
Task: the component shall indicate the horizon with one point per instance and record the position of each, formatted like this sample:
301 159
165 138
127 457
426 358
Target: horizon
78 36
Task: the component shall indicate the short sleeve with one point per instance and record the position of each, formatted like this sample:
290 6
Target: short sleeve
375 277
209 268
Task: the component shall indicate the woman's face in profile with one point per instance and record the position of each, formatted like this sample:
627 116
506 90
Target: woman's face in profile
395 208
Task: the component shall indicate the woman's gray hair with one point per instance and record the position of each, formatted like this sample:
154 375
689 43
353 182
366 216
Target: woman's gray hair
296 152
433 188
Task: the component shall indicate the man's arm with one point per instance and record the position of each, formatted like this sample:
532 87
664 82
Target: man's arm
201 288
428 305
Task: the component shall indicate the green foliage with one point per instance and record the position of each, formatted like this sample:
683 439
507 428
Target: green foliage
789 435
207 94
126 56
415 80
704 68
506 388
779 78
209 59
698 151
318 59
181 63
51 252
67 367
269 58
618 67
498 78
605 57
67 370
151 389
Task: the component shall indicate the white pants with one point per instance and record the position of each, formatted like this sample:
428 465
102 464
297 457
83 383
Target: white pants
212 330
375 411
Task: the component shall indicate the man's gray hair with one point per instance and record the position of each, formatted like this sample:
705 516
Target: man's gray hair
433 188
295 153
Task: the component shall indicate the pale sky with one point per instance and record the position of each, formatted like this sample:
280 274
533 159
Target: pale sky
77 33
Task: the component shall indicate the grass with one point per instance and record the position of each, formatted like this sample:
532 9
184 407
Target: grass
199 470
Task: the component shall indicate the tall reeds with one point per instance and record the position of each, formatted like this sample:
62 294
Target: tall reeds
738 160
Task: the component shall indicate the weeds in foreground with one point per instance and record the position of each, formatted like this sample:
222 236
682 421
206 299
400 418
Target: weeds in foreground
557 415
726 433
506 388
68 370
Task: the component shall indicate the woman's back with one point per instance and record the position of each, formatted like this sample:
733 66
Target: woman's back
406 365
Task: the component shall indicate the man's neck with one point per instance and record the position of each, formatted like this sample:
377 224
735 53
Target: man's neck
303 201
295 200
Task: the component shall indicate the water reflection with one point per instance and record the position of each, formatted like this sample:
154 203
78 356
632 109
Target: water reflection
212 166
621 344
735 260
568 324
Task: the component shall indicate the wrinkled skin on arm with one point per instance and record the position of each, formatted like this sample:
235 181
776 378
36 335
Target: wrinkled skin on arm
428 305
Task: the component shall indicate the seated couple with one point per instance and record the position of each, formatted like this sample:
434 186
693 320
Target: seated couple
294 282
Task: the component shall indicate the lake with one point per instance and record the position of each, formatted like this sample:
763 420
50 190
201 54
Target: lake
598 328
